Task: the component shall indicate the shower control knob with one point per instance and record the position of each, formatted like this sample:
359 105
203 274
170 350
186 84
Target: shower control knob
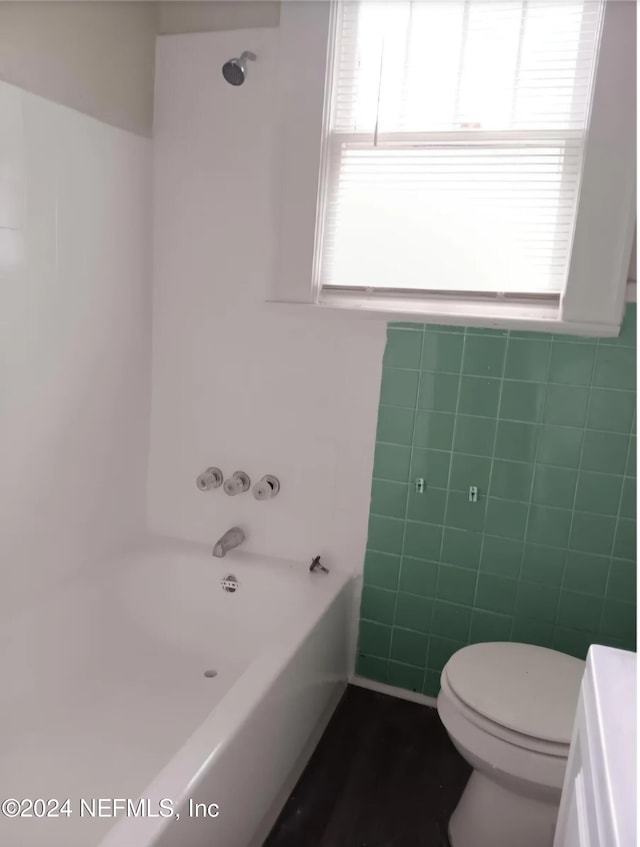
267 488
211 478
237 484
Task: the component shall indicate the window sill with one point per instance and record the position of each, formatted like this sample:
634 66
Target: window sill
530 317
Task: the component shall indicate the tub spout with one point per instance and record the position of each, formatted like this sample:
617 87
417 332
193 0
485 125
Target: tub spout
232 538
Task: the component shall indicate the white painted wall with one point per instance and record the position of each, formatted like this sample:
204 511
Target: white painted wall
234 384
96 56
179 16
75 303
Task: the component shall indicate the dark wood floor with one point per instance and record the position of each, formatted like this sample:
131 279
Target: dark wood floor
383 775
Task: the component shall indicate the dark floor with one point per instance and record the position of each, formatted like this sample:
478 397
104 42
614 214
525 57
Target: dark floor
383 775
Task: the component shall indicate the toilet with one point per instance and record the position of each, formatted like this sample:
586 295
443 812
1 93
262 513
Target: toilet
509 709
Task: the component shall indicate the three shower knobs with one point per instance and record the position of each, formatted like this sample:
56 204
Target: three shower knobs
238 483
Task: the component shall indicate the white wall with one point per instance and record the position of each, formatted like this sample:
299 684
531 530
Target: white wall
178 16
236 385
97 57
75 303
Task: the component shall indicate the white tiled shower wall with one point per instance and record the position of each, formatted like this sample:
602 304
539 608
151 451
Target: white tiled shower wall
75 337
235 384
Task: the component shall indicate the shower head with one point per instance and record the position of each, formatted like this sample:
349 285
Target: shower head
235 70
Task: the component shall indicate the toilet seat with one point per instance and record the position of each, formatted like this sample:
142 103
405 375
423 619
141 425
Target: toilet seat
517 739
519 692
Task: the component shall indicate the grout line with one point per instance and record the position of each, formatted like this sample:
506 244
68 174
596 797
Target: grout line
534 463
492 460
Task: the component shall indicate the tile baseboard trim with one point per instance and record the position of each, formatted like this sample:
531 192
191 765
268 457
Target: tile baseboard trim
392 691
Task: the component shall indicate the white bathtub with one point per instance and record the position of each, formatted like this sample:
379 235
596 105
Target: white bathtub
140 721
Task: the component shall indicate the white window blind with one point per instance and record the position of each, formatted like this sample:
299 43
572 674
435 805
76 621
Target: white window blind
454 147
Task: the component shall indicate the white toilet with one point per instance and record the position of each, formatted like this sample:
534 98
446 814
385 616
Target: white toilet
509 709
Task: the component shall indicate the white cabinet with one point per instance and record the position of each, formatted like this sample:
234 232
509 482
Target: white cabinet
598 806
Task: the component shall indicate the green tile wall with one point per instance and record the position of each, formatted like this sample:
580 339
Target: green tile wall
545 427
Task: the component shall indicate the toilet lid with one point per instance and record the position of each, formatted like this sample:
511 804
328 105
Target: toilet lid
531 690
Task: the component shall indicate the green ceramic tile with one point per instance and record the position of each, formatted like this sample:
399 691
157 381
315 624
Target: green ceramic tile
501 556
456 330
485 330
625 540
409 647
456 584
441 650
622 584
506 519
406 325
578 611
554 486
527 359
469 470
572 364
375 639
391 462
381 570
517 441
438 392
403 349
619 619
628 502
461 548
572 641
528 631
450 620
372 668
479 396
385 534
389 498
418 577
432 466
442 352
377 604
422 541
511 480
433 430
537 601
631 465
592 533
399 388
586 572
543 564
474 435
413 612
405 676
484 355
461 514
566 405
560 445
611 410
431 685
548 526
605 452
615 368
496 593
522 401
489 626
428 507
395 425
598 492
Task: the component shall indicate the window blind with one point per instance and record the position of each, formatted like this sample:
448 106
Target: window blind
455 143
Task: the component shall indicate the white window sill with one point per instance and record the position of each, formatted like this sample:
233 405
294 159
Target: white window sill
490 314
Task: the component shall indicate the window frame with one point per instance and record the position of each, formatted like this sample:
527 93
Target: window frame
592 302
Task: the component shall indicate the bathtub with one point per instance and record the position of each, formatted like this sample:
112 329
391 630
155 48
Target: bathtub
194 712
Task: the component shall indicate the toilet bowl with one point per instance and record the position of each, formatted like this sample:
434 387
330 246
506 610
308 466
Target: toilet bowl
508 709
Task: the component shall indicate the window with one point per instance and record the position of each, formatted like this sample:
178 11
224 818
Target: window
469 158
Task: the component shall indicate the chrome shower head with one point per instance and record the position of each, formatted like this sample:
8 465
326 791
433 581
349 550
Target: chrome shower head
235 70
